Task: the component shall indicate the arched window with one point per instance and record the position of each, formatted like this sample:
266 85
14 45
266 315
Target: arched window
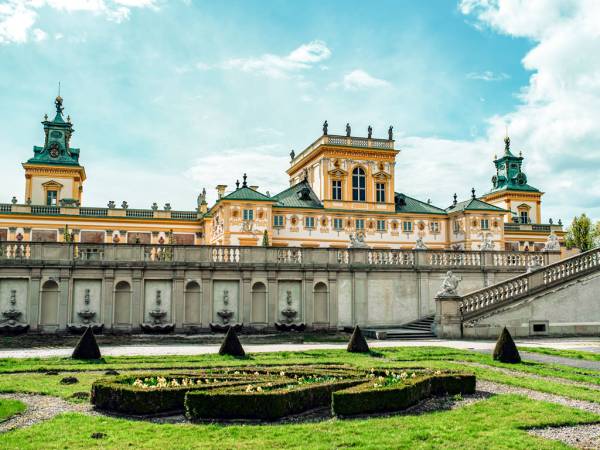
358 185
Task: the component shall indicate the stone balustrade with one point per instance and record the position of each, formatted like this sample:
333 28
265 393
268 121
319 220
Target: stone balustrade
223 255
484 300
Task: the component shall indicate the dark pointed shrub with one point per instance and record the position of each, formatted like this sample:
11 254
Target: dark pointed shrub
506 350
231 345
358 343
87 347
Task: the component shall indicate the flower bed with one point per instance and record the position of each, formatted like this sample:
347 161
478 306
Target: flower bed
269 393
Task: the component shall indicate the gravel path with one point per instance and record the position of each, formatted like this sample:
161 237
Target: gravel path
39 408
518 374
157 349
551 359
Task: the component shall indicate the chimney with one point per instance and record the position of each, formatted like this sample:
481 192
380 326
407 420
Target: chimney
221 190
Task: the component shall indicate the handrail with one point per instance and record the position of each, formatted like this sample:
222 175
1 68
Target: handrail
376 258
489 298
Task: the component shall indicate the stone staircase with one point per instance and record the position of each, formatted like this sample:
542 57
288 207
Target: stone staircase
418 329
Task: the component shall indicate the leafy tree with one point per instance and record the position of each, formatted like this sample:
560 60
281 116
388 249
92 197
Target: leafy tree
265 241
581 233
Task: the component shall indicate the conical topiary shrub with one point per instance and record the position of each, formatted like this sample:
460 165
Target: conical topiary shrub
358 343
87 347
231 345
506 350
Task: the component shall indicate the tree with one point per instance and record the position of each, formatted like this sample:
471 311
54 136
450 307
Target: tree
358 343
506 350
581 233
265 241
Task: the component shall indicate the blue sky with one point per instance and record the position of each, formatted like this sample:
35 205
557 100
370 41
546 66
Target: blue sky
168 97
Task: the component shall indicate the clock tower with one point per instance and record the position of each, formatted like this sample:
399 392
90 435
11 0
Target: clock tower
53 176
511 191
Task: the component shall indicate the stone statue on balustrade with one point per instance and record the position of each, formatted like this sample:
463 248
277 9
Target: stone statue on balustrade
358 240
449 286
419 244
487 243
552 243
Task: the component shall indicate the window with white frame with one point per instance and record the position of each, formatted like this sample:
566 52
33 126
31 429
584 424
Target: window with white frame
309 222
434 227
456 225
380 192
338 224
278 221
248 214
360 224
407 227
485 224
51 198
336 189
380 225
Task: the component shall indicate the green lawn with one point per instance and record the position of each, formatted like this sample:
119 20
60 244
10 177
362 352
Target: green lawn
494 423
9 408
497 422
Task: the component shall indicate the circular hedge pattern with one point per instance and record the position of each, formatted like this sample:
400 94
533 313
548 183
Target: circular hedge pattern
273 392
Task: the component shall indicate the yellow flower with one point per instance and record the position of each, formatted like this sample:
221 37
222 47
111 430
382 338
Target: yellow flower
282 373
259 389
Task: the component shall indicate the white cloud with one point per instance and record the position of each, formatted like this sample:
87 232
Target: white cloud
488 75
277 66
224 167
359 79
556 123
18 17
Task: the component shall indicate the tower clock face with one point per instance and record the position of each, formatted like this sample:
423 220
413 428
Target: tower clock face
54 151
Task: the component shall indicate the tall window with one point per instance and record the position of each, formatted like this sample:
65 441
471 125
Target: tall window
380 192
278 221
309 222
380 225
248 214
407 227
337 224
434 227
524 217
360 224
358 185
51 198
485 224
336 189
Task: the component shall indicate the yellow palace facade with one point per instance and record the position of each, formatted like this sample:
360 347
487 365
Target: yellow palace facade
342 194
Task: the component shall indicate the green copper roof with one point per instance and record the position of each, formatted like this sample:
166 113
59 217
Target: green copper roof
406 204
300 195
246 193
474 204
56 149
509 174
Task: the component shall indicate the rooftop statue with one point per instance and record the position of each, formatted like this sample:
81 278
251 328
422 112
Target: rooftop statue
325 126
391 133
348 130
449 286
369 132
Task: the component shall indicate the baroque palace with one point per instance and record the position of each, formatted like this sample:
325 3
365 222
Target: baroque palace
342 194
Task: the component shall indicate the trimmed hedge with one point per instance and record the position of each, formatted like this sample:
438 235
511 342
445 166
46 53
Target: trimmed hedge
505 350
119 395
266 405
87 347
365 399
